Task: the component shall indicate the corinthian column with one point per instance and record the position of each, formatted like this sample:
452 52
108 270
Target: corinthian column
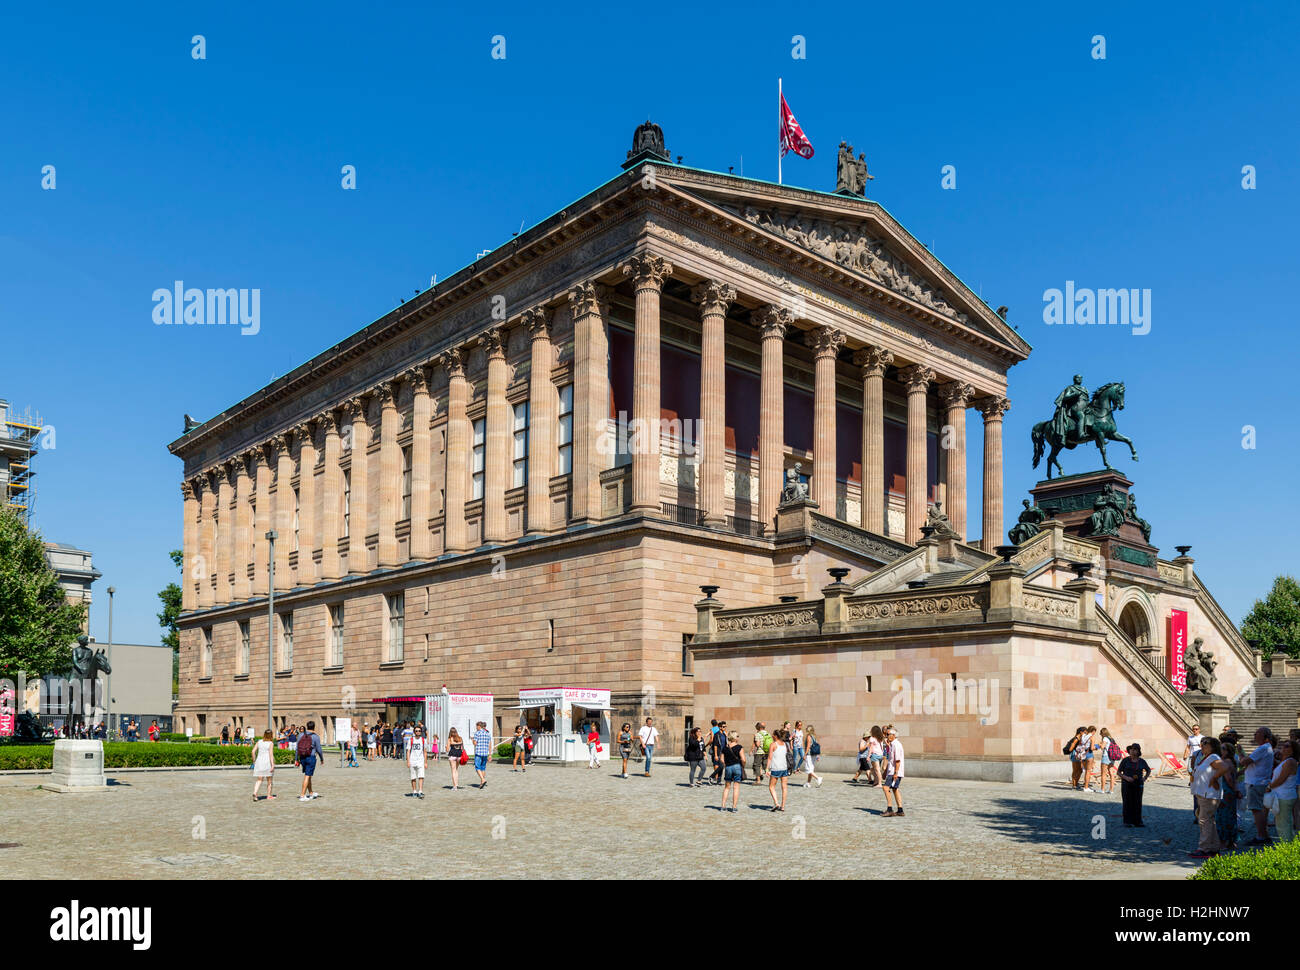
331 498
306 503
225 541
713 298
454 530
588 305
497 436
359 487
283 511
873 361
773 322
207 542
189 543
541 421
421 460
917 379
993 408
261 520
647 272
826 343
243 528
390 473
956 398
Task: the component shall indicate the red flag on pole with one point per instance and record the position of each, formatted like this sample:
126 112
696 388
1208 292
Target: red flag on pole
792 137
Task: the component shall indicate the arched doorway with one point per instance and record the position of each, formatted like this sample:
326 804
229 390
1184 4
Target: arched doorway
1133 621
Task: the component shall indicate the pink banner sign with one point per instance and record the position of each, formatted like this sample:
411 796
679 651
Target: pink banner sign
7 709
1178 649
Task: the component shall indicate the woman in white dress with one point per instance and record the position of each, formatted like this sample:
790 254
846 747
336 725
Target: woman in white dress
264 764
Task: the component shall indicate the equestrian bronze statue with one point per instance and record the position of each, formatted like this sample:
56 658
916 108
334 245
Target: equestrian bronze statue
1079 420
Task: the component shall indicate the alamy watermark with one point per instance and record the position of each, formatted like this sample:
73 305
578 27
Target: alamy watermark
1085 307
192 306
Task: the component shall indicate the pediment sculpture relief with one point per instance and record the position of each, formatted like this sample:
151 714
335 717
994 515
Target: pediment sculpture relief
853 249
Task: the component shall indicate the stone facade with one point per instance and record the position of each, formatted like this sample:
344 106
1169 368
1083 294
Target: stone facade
462 470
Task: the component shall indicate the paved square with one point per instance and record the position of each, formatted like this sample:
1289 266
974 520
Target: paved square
574 822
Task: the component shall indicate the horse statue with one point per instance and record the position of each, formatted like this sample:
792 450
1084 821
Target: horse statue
1095 424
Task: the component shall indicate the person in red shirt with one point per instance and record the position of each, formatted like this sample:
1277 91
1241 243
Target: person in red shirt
153 731
593 746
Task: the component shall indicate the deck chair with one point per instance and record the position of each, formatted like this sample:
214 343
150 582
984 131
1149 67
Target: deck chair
1170 764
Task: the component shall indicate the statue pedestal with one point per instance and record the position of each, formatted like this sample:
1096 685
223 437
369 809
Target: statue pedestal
1211 709
1070 499
795 517
78 767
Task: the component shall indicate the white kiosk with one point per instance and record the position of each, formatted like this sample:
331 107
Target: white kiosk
446 710
555 715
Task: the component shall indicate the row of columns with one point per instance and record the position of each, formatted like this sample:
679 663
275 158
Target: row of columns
588 305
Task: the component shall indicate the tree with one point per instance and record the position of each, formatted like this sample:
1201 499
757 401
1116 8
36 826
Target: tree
171 601
1274 622
37 623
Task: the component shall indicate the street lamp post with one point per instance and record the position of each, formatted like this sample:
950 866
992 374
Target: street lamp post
108 678
270 630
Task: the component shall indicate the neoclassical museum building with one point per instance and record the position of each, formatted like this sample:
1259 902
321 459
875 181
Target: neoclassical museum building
525 476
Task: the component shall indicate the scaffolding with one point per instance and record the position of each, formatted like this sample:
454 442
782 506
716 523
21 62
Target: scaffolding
18 449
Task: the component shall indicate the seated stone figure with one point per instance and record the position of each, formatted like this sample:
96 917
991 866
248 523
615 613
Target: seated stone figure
1200 665
1108 513
1029 524
795 489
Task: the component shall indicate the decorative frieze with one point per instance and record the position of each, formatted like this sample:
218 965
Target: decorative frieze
1067 606
925 605
768 619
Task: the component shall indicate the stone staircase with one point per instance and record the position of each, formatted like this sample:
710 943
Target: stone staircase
1272 701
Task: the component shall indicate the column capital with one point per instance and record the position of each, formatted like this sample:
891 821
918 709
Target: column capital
917 377
537 321
278 445
304 432
713 297
589 299
417 377
454 361
993 408
356 408
328 421
956 394
825 341
773 320
647 270
873 360
252 456
221 474
494 343
386 391
188 490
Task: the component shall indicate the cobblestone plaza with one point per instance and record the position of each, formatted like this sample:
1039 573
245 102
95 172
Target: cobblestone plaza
575 823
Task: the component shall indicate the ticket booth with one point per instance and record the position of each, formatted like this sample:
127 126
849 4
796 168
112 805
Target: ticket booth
555 715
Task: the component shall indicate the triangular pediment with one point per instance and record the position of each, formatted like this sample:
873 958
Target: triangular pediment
860 237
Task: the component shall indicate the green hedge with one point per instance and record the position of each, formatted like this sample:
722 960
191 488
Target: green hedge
506 749
139 754
1280 861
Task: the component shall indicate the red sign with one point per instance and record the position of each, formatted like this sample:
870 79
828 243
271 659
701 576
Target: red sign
1177 649
7 712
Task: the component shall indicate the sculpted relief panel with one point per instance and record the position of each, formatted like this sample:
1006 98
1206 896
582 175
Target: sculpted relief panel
852 248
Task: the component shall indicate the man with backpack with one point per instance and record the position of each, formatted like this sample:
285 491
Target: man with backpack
309 755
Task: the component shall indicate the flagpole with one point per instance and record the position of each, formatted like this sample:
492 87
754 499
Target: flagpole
779 121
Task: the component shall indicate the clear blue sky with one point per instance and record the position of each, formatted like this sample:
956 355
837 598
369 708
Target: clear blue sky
225 172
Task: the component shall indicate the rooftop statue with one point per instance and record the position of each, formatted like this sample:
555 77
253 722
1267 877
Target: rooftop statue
851 176
1107 512
1078 420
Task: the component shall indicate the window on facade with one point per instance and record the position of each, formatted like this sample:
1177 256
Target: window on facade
406 484
297 507
396 626
245 648
520 476
476 466
565 431
205 661
336 635
286 641
347 500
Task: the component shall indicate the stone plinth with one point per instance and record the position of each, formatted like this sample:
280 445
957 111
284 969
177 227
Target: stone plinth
78 766
1070 500
795 517
1212 711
